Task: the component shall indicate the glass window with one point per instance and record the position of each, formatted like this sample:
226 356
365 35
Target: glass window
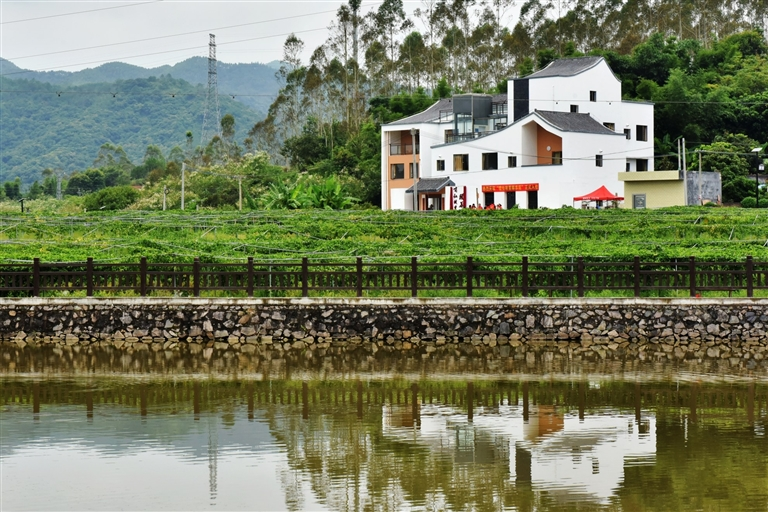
610 126
628 133
642 132
441 165
490 161
592 95
511 161
557 158
410 169
398 171
460 162
642 164
599 160
575 109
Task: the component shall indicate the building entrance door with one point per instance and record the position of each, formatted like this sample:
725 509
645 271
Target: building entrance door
533 199
510 200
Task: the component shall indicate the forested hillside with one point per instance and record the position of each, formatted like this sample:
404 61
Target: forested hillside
62 127
252 84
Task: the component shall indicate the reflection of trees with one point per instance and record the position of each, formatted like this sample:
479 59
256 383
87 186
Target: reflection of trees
360 445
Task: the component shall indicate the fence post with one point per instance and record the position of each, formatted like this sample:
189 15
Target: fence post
692 273
249 284
525 276
196 277
304 277
750 268
143 276
414 277
470 269
89 277
580 276
36 277
637 276
359 276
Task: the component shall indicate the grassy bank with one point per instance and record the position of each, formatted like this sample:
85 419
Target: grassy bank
707 233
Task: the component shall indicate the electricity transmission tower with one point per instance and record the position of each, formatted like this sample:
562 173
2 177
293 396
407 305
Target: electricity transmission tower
212 113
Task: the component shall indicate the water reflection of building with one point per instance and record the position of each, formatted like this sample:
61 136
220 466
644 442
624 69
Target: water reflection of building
553 449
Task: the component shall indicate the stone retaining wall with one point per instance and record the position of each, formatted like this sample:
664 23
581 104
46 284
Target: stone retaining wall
676 328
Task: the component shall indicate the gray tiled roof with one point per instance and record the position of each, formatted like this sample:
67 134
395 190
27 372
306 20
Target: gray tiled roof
573 122
566 67
431 114
432 185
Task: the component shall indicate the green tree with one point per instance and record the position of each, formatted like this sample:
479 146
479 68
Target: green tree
111 198
81 183
12 189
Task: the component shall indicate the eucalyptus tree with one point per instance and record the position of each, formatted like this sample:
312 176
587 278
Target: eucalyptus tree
390 21
412 59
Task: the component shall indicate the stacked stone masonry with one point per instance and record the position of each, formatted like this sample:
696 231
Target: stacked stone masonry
675 328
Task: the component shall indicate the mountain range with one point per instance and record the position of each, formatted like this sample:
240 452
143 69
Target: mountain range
59 119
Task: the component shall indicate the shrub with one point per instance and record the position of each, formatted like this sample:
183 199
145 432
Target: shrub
763 203
111 198
748 202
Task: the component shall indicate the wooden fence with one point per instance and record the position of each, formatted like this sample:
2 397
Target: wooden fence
522 278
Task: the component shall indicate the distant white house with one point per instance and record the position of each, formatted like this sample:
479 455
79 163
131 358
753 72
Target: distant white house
559 133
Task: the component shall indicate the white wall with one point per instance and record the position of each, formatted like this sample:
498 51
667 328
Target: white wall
558 184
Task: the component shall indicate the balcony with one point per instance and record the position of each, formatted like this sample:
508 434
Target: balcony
402 149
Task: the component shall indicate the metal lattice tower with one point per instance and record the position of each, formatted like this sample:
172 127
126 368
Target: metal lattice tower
212 113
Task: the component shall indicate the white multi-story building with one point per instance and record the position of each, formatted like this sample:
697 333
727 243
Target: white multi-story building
560 133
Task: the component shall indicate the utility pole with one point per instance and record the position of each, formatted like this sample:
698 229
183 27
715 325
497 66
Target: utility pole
165 194
240 193
685 174
415 172
701 199
183 168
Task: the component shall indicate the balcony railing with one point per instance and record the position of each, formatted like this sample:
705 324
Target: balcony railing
402 149
460 137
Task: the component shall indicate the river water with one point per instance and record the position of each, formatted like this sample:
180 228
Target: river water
113 431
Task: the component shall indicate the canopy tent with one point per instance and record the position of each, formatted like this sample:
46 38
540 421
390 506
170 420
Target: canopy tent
601 194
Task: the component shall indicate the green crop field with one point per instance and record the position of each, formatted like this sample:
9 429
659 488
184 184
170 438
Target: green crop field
617 235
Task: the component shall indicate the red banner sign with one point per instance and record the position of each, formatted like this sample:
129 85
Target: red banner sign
521 187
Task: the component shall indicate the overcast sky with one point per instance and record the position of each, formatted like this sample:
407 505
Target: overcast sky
32 31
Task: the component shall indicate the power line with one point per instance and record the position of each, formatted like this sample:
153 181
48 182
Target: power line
130 93
159 53
166 37
78 12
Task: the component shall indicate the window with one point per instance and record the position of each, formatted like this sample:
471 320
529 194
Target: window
398 171
642 132
599 160
410 169
610 126
490 161
629 167
441 165
511 161
628 133
488 199
642 164
592 95
557 158
575 109
533 199
460 162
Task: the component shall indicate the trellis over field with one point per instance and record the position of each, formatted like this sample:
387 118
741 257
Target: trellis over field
524 278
